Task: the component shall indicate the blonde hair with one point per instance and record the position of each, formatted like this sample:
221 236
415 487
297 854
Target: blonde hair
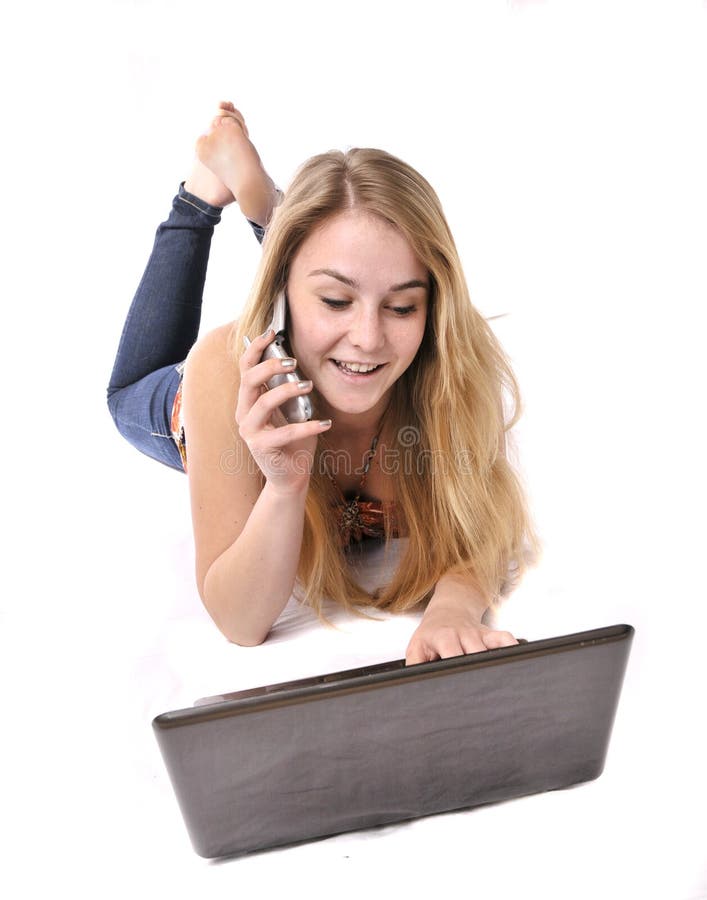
461 501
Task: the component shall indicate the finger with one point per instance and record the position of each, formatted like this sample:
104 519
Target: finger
257 372
415 653
264 370
253 354
441 643
495 639
273 439
255 413
447 645
254 349
253 396
260 376
473 641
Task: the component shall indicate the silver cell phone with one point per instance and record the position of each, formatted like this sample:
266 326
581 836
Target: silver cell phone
297 409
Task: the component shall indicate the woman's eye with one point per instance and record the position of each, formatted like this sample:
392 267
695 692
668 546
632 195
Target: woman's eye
344 304
335 304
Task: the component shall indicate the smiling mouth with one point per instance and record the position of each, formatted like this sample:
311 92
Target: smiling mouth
360 369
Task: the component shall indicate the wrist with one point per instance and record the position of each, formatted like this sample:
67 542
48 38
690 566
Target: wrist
460 594
296 493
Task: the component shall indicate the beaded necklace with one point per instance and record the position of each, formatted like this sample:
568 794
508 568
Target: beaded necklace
351 523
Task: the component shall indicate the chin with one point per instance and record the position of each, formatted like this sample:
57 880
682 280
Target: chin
350 409
353 407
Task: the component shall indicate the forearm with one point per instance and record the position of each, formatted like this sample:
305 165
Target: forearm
248 585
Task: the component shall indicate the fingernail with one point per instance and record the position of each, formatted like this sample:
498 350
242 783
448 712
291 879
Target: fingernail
325 423
304 384
246 341
266 333
288 363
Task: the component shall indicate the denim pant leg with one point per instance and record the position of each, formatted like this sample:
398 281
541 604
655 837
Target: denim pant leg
161 327
142 413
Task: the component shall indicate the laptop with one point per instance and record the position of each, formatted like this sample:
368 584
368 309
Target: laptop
385 743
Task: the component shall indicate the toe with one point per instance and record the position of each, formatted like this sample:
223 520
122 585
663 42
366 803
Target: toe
237 116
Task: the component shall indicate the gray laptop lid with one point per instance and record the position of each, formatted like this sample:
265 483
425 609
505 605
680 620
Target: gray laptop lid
380 744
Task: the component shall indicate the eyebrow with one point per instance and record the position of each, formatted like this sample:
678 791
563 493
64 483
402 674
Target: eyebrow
351 282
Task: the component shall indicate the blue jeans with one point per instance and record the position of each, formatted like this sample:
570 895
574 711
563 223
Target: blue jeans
161 327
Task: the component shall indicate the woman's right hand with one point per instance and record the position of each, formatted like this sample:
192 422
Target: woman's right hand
284 453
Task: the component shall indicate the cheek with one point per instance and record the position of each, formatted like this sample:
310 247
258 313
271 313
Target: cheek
307 343
296 324
415 341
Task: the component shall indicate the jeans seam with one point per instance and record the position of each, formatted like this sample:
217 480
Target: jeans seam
119 420
204 211
201 205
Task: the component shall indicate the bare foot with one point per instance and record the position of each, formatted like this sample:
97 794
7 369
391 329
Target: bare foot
228 154
202 182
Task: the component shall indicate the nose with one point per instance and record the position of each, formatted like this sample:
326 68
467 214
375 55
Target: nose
366 332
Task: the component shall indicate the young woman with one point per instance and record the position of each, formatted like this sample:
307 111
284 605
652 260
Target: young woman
404 459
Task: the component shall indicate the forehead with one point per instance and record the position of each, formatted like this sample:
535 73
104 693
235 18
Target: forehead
360 245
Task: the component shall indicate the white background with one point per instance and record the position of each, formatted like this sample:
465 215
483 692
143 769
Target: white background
567 143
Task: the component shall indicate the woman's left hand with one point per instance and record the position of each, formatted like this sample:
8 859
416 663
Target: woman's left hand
452 629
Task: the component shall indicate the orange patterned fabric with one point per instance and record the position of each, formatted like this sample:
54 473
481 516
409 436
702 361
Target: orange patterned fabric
177 426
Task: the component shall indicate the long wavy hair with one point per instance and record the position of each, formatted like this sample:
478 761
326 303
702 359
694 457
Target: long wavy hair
462 503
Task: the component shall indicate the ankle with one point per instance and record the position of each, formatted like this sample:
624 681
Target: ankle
204 185
258 199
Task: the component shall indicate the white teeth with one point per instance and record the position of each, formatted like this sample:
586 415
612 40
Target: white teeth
355 367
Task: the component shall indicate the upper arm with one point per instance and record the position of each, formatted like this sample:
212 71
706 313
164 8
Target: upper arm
224 482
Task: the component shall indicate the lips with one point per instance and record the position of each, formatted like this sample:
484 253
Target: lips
356 368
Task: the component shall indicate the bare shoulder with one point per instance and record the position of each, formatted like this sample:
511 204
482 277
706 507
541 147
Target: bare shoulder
224 483
212 355
210 388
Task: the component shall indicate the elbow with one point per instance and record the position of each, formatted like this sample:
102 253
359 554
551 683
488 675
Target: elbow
236 632
241 633
244 640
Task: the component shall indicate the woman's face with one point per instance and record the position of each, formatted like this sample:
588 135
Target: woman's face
357 299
